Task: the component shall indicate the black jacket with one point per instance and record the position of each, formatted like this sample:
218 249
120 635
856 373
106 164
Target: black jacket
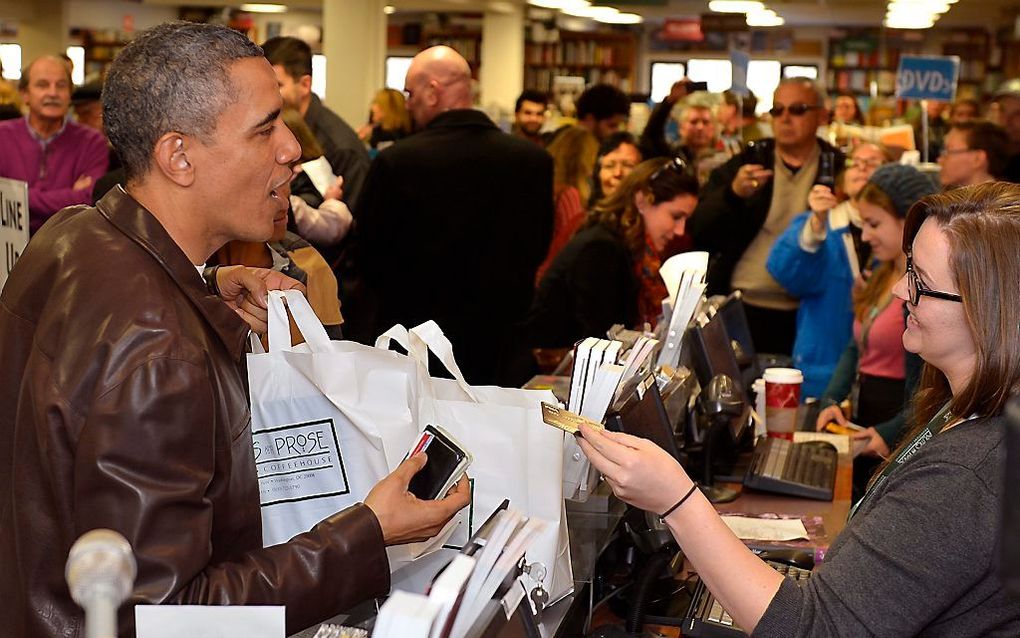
724 224
343 149
452 226
590 286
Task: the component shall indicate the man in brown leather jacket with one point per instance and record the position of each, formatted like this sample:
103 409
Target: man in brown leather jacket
124 401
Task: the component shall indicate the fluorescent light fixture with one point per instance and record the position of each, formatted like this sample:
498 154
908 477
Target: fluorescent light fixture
595 13
907 22
764 20
77 55
623 18
264 8
389 9
559 4
735 6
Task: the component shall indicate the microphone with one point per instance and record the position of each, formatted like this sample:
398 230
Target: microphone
100 574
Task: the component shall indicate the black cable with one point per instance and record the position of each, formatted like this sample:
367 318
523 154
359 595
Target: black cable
642 588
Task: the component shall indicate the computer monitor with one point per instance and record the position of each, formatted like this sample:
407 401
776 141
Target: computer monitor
733 314
711 352
643 414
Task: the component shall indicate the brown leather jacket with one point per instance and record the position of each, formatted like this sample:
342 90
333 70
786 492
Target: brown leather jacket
124 405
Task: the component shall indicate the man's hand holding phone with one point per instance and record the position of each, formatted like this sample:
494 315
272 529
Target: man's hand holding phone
405 518
407 502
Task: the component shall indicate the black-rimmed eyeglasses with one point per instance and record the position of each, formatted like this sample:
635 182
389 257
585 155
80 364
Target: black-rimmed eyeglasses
916 288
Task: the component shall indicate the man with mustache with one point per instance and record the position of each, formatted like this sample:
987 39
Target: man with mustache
59 158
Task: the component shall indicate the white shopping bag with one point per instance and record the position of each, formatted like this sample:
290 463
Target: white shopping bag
516 455
329 420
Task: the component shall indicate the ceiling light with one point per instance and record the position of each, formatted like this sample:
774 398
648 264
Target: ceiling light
595 13
389 9
264 8
735 6
909 22
764 20
559 4
623 18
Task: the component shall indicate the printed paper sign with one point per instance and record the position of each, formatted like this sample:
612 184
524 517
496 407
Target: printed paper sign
739 62
299 462
209 621
921 77
13 223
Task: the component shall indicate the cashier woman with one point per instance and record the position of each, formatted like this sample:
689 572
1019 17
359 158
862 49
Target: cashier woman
919 553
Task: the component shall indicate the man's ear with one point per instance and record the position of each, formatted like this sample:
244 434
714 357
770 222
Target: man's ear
171 157
306 84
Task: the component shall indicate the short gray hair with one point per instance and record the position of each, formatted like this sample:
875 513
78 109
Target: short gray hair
172 77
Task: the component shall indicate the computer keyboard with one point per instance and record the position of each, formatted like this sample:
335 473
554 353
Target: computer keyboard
795 469
706 618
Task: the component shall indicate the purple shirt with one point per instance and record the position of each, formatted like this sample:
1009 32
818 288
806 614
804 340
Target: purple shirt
51 168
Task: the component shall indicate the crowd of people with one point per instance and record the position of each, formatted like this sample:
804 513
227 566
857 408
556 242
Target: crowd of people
511 242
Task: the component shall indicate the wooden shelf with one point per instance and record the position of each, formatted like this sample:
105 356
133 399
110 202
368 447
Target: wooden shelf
600 57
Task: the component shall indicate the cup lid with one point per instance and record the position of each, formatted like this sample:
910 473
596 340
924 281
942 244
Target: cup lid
783 375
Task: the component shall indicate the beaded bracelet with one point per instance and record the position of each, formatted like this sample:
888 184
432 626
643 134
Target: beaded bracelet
662 517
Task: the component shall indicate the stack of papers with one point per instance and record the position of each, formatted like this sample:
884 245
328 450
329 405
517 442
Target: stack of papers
684 275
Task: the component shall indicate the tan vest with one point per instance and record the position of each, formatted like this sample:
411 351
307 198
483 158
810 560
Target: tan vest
789 199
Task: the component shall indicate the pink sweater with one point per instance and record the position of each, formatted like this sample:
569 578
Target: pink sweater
75 151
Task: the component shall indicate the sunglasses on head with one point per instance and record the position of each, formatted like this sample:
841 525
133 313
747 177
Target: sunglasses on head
677 164
794 109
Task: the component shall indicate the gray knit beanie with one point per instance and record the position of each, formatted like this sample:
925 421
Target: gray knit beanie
904 185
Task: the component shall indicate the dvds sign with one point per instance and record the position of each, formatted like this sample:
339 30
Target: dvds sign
922 77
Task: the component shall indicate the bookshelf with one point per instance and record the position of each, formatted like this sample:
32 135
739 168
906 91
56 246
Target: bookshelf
468 43
101 47
598 57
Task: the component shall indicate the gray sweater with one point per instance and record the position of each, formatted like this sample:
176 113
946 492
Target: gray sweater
920 556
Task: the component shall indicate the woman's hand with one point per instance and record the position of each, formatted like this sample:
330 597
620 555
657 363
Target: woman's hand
820 200
640 472
828 415
869 442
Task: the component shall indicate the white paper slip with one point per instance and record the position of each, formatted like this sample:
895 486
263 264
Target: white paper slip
766 529
198 621
840 441
320 172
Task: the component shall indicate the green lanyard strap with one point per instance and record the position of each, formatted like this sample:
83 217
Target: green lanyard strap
937 424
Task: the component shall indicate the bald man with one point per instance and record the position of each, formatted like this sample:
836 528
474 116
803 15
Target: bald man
452 225
59 158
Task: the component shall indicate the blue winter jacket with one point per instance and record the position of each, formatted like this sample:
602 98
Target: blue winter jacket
822 281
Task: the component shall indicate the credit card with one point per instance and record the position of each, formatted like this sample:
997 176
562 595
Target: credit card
566 420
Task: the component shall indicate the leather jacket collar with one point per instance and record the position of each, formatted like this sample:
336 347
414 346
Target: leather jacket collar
137 223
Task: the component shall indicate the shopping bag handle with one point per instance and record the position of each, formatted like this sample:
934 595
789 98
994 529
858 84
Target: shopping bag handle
309 325
398 334
438 344
256 343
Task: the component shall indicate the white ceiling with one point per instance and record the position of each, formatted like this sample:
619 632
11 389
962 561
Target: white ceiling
989 14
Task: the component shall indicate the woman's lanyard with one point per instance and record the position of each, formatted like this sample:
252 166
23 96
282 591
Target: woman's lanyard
938 423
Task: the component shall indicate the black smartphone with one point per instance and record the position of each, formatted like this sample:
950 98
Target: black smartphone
697 86
760 152
826 169
447 461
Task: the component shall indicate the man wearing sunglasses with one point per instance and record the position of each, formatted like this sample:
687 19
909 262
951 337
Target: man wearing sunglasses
752 198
